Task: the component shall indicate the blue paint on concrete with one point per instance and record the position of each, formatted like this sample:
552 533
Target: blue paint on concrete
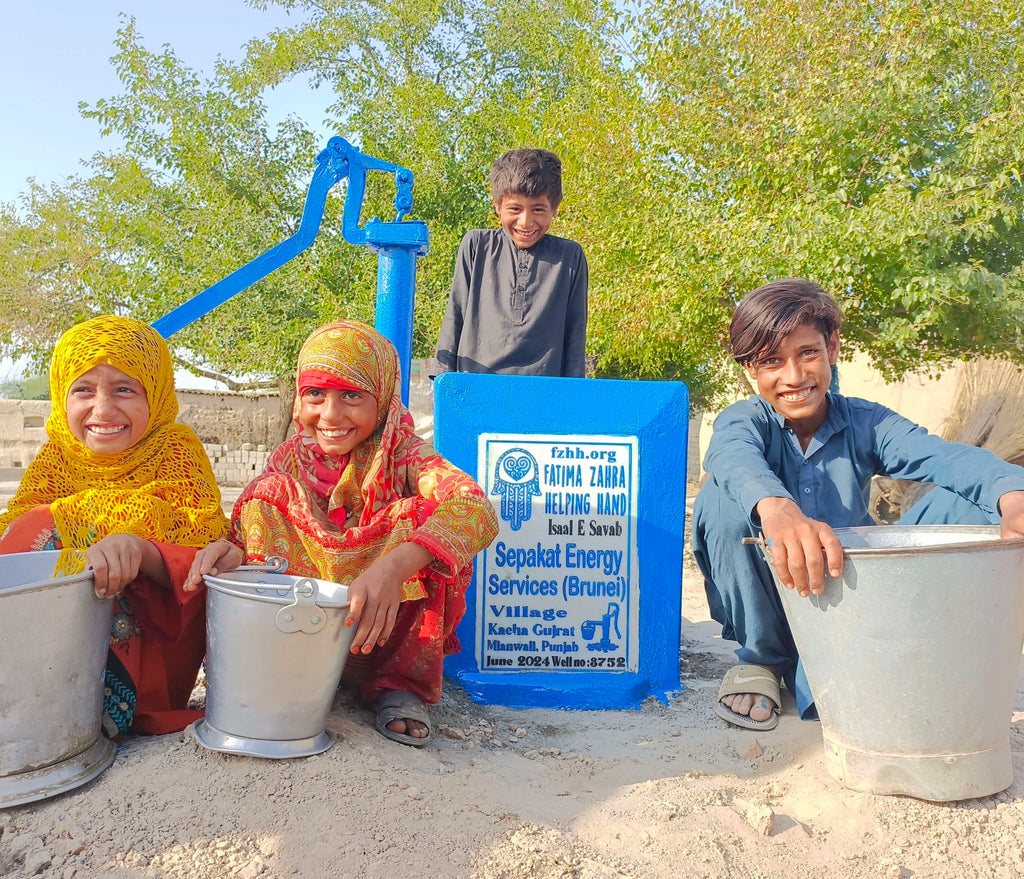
577 603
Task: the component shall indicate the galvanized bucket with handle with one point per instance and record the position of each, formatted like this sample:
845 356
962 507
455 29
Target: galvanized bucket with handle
275 649
53 643
913 656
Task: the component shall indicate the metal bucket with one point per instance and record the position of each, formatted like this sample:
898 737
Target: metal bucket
913 656
275 649
53 643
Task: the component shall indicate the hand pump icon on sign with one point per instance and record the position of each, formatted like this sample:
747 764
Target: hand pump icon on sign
611 618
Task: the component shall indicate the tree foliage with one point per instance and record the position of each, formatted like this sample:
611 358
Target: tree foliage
707 148
201 187
873 147
29 387
444 87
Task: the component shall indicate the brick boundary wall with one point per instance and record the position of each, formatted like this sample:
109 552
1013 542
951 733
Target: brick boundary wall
237 465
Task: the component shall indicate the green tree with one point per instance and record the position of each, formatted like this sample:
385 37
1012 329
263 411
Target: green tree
201 185
446 86
27 387
48 256
871 147
707 148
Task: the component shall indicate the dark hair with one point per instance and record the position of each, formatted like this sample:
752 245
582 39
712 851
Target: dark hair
767 315
528 172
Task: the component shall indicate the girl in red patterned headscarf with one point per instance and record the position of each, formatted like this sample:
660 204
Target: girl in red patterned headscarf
356 497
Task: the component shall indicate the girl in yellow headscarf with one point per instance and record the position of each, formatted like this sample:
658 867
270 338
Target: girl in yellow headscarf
357 498
120 487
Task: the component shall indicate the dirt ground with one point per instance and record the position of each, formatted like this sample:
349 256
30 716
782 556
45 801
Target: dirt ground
665 792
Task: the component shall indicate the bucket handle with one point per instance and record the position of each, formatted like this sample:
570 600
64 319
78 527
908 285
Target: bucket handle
762 545
303 614
759 542
275 564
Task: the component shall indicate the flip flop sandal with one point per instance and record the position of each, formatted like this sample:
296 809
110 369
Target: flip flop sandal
401 705
749 679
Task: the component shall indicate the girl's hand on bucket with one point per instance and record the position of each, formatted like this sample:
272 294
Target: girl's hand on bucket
376 594
118 559
374 598
800 547
216 558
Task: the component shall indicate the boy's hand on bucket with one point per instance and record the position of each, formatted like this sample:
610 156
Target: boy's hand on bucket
800 547
1011 509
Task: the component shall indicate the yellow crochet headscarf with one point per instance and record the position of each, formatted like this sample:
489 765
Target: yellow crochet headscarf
162 488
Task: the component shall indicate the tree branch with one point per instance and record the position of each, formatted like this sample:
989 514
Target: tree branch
232 384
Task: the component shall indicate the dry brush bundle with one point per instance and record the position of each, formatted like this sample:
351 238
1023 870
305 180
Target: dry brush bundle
987 411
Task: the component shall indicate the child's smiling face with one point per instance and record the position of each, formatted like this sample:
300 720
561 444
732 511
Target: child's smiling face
107 410
525 219
339 419
795 377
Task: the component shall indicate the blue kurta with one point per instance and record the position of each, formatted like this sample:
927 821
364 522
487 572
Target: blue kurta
753 455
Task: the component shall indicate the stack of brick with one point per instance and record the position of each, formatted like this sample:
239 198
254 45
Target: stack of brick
236 466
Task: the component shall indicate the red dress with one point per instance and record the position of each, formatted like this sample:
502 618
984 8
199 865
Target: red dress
157 640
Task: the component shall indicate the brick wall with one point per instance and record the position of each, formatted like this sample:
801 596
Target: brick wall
22 430
237 465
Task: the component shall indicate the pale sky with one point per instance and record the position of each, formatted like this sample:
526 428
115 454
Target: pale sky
55 53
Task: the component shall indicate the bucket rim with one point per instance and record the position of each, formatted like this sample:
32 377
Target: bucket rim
973 545
31 785
271 593
993 542
42 584
214 739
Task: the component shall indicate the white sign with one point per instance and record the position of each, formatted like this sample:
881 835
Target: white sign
557 590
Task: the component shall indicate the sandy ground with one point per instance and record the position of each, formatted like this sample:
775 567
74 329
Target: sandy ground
668 791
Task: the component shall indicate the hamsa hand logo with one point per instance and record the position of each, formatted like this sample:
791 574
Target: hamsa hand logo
517 480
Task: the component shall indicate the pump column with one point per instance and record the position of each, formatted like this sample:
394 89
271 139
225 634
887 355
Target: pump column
398 246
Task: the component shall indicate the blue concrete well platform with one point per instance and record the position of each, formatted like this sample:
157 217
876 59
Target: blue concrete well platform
577 602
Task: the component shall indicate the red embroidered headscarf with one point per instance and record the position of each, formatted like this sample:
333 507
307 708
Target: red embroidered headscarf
348 354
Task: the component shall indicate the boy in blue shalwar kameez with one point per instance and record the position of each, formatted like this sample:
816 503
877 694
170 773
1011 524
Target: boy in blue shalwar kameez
795 462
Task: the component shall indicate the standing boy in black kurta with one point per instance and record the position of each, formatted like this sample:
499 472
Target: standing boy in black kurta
518 303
